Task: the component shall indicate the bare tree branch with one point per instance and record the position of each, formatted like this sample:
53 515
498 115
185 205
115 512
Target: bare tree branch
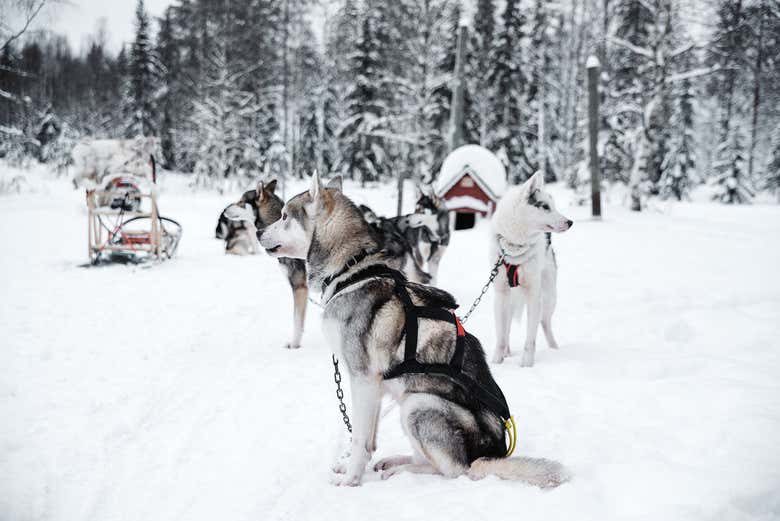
631 47
31 14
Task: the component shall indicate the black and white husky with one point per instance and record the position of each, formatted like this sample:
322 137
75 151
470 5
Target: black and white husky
522 224
238 225
365 317
431 242
397 236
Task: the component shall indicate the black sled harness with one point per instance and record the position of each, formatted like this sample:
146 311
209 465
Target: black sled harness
491 399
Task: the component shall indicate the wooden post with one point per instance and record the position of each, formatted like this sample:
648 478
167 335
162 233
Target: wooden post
593 127
456 110
400 194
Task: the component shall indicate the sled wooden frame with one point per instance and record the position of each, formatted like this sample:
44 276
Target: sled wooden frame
100 239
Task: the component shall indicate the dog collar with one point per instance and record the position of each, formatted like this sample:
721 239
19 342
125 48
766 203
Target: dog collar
350 264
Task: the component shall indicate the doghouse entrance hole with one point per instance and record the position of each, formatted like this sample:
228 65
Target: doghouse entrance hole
464 220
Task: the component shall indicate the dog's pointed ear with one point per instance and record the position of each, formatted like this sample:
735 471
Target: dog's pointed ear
259 191
335 183
533 183
316 186
537 181
270 187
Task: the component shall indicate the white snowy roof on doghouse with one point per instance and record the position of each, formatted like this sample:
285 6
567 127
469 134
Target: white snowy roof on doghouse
477 161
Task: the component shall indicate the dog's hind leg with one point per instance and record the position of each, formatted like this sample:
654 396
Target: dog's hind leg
414 468
437 431
392 461
549 299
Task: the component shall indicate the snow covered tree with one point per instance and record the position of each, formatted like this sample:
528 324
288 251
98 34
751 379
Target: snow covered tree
169 58
731 181
772 180
661 55
142 73
544 90
511 97
479 113
680 175
422 123
364 154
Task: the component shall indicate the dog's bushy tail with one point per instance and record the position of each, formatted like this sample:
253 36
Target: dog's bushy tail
540 472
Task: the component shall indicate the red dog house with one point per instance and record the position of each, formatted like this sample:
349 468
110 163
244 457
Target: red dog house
471 181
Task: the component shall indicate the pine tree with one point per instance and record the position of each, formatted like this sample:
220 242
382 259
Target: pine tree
731 183
681 174
479 113
364 155
167 51
772 181
142 79
511 84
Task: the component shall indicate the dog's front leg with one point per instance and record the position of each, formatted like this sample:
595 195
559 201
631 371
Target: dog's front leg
300 296
534 303
366 399
502 312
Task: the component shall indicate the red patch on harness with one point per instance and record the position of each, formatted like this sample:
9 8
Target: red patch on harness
459 326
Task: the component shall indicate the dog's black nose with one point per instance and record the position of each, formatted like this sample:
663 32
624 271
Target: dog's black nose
568 223
259 234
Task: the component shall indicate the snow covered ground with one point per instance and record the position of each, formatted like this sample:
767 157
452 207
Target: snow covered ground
164 393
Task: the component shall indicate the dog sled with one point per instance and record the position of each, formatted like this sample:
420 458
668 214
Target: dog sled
121 228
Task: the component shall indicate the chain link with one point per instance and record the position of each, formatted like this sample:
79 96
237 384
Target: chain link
463 319
493 275
340 393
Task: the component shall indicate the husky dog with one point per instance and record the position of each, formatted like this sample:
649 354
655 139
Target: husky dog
430 243
522 224
365 320
239 225
395 234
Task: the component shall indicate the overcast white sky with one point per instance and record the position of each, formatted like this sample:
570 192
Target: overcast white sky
78 19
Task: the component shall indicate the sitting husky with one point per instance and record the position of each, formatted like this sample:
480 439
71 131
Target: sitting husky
522 223
369 309
238 225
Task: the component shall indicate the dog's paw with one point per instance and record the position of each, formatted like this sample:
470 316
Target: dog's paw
392 461
498 358
339 467
290 345
387 474
342 480
528 360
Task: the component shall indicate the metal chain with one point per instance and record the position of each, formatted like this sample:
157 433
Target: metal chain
463 319
493 275
340 393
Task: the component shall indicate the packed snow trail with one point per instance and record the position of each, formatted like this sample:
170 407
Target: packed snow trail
164 393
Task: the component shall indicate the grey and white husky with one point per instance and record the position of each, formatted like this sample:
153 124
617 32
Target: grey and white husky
364 320
238 226
522 224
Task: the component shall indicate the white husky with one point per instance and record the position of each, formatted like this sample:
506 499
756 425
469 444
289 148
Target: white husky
521 228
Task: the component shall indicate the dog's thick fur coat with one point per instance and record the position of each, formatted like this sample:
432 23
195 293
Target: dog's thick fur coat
364 323
522 224
239 225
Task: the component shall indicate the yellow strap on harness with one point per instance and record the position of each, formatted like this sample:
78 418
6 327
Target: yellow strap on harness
511 430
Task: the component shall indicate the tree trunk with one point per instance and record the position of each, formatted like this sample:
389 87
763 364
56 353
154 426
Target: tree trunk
757 89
